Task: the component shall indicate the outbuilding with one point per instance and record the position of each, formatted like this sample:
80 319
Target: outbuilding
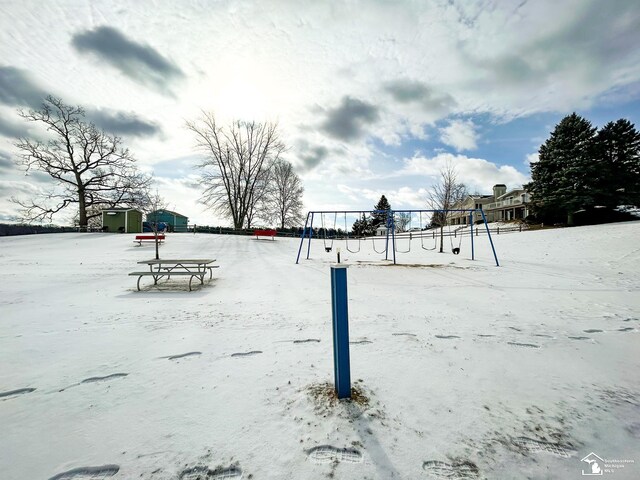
124 220
175 221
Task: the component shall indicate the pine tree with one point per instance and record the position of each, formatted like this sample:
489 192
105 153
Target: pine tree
362 227
379 217
618 147
564 179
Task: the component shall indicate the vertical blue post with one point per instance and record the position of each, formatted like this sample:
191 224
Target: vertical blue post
310 235
339 307
471 224
392 226
386 243
486 225
304 232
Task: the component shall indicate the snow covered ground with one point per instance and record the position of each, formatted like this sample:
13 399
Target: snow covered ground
464 369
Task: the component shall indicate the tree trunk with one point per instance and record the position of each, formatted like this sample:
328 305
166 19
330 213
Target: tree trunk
82 209
570 219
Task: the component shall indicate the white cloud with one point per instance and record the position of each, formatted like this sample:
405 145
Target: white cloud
460 134
477 173
531 158
415 63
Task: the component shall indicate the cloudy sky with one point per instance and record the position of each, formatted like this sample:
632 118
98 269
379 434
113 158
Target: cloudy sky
371 97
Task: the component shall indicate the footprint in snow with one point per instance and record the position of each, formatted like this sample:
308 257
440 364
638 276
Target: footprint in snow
403 334
579 338
360 342
246 354
329 454
447 337
96 379
88 473
308 340
625 329
592 330
205 473
107 377
14 393
462 470
528 345
183 355
536 446
485 335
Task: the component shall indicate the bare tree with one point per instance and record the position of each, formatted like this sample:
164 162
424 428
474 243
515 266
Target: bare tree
285 195
258 204
237 158
443 196
92 169
401 221
153 203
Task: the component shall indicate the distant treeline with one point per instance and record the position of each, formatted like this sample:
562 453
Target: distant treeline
12 229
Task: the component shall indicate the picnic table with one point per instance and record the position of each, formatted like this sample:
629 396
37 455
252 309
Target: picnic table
167 267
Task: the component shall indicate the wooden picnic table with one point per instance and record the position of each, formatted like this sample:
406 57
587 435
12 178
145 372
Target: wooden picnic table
166 267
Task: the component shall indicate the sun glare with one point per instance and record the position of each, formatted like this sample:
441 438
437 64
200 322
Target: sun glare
240 99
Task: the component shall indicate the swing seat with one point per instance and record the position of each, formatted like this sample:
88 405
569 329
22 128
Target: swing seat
456 251
327 249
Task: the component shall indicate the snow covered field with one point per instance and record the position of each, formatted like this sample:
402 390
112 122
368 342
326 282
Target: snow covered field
465 370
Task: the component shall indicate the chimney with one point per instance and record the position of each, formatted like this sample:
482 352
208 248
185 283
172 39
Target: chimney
499 190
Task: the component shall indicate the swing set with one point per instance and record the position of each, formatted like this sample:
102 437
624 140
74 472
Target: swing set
391 240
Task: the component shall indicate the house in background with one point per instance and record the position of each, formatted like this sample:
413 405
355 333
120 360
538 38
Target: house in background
124 220
511 205
477 202
503 205
175 221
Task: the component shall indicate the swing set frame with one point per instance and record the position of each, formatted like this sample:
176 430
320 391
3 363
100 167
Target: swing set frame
390 239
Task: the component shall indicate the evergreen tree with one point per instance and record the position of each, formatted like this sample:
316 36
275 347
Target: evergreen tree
565 179
618 147
380 216
362 227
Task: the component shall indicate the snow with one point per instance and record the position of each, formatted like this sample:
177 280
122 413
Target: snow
464 369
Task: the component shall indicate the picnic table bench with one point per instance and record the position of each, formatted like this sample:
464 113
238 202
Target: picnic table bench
148 238
269 232
163 267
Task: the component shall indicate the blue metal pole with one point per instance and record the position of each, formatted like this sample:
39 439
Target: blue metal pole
484 218
393 238
310 235
386 243
339 307
471 224
304 231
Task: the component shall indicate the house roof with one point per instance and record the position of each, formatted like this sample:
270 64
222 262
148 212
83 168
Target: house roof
511 192
121 210
170 212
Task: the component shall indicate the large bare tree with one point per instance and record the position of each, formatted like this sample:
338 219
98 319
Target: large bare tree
285 195
90 168
237 158
443 196
259 202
